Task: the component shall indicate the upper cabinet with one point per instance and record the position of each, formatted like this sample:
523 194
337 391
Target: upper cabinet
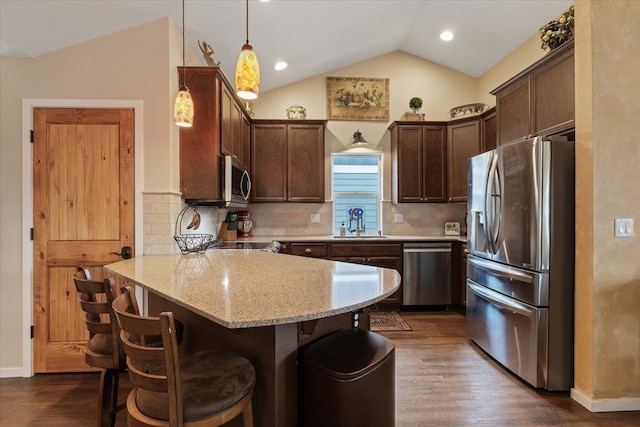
287 160
418 162
219 128
464 140
540 100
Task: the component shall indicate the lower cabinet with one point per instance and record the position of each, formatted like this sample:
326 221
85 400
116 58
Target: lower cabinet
384 255
459 275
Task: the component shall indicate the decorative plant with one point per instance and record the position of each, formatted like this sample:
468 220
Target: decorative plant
558 31
415 104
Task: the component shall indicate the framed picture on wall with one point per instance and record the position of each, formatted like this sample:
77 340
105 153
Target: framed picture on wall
358 98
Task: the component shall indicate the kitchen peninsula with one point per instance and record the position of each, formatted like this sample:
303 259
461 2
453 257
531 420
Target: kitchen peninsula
261 305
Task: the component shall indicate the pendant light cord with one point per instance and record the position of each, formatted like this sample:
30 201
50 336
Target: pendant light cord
184 82
247 1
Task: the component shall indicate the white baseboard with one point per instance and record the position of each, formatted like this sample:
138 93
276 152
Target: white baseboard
10 372
606 405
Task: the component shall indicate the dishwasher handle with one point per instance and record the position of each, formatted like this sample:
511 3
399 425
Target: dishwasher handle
422 250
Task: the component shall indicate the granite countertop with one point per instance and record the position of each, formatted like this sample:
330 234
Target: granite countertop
368 238
249 288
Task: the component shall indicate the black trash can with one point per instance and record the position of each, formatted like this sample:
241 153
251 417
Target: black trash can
349 380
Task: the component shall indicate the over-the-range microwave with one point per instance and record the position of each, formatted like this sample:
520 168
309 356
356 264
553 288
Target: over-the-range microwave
235 186
236 183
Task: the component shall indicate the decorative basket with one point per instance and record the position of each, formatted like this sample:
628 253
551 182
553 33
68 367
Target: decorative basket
192 243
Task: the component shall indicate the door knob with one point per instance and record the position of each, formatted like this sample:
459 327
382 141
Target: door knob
126 252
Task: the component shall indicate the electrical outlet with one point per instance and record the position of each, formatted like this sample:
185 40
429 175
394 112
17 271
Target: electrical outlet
315 217
624 227
398 218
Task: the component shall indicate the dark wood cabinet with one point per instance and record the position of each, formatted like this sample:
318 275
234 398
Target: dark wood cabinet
216 131
540 100
464 141
459 274
489 131
287 160
418 162
313 250
384 255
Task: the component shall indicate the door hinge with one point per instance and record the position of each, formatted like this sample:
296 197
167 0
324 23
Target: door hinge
32 331
31 233
31 136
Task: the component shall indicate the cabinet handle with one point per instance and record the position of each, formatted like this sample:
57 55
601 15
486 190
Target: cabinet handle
307 251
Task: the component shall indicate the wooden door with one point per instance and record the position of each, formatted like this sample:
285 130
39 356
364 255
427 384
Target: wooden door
410 167
269 162
513 111
463 143
306 163
83 166
434 164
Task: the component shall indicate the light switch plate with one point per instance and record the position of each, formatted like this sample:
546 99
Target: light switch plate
315 217
624 227
398 218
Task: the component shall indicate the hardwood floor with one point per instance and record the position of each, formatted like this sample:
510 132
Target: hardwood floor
442 379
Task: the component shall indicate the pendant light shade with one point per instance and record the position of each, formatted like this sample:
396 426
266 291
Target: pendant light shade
183 107
247 69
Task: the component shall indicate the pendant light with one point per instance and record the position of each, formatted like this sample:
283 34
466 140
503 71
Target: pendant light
183 107
360 145
247 69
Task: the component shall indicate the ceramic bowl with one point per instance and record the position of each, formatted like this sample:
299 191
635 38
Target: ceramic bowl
467 110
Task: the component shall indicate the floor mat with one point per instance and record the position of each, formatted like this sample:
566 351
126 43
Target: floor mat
388 321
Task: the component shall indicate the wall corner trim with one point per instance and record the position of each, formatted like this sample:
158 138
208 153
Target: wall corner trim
606 405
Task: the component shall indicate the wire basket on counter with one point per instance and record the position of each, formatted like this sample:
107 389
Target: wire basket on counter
192 243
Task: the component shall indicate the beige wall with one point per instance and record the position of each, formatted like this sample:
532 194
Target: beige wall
607 268
526 54
440 89
134 64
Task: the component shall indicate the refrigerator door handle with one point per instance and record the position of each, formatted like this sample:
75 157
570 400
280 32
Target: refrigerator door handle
500 300
508 272
488 205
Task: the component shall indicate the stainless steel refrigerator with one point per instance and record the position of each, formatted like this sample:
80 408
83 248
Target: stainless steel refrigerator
520 268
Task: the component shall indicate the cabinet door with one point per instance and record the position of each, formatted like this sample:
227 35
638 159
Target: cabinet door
462 144
409 164
489 135
236 132
306 163
199 145
226 127
269 162
245 126
553 95
513 111
434 164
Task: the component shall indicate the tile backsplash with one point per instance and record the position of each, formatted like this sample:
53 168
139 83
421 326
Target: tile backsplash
294 219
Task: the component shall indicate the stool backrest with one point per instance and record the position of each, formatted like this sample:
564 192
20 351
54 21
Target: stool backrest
151 366
95 299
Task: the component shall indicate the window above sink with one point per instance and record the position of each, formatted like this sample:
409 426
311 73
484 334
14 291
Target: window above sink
357 193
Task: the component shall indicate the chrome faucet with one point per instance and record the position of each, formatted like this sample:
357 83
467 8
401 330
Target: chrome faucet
357 214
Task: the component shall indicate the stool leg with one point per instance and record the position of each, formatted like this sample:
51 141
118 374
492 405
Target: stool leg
247 415
108 398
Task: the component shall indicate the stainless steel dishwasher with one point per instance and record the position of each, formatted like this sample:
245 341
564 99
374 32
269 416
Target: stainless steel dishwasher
426 273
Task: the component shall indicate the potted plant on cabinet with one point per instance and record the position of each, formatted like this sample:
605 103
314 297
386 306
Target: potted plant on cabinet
415 104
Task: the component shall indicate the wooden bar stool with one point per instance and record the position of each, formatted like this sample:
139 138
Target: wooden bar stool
203 389
103 350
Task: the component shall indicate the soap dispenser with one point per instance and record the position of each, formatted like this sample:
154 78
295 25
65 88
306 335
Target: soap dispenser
343 230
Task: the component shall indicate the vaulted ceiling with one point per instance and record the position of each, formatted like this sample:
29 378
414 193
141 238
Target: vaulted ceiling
312 36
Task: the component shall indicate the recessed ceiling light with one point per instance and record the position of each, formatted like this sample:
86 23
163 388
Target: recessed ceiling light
280 65
446 36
